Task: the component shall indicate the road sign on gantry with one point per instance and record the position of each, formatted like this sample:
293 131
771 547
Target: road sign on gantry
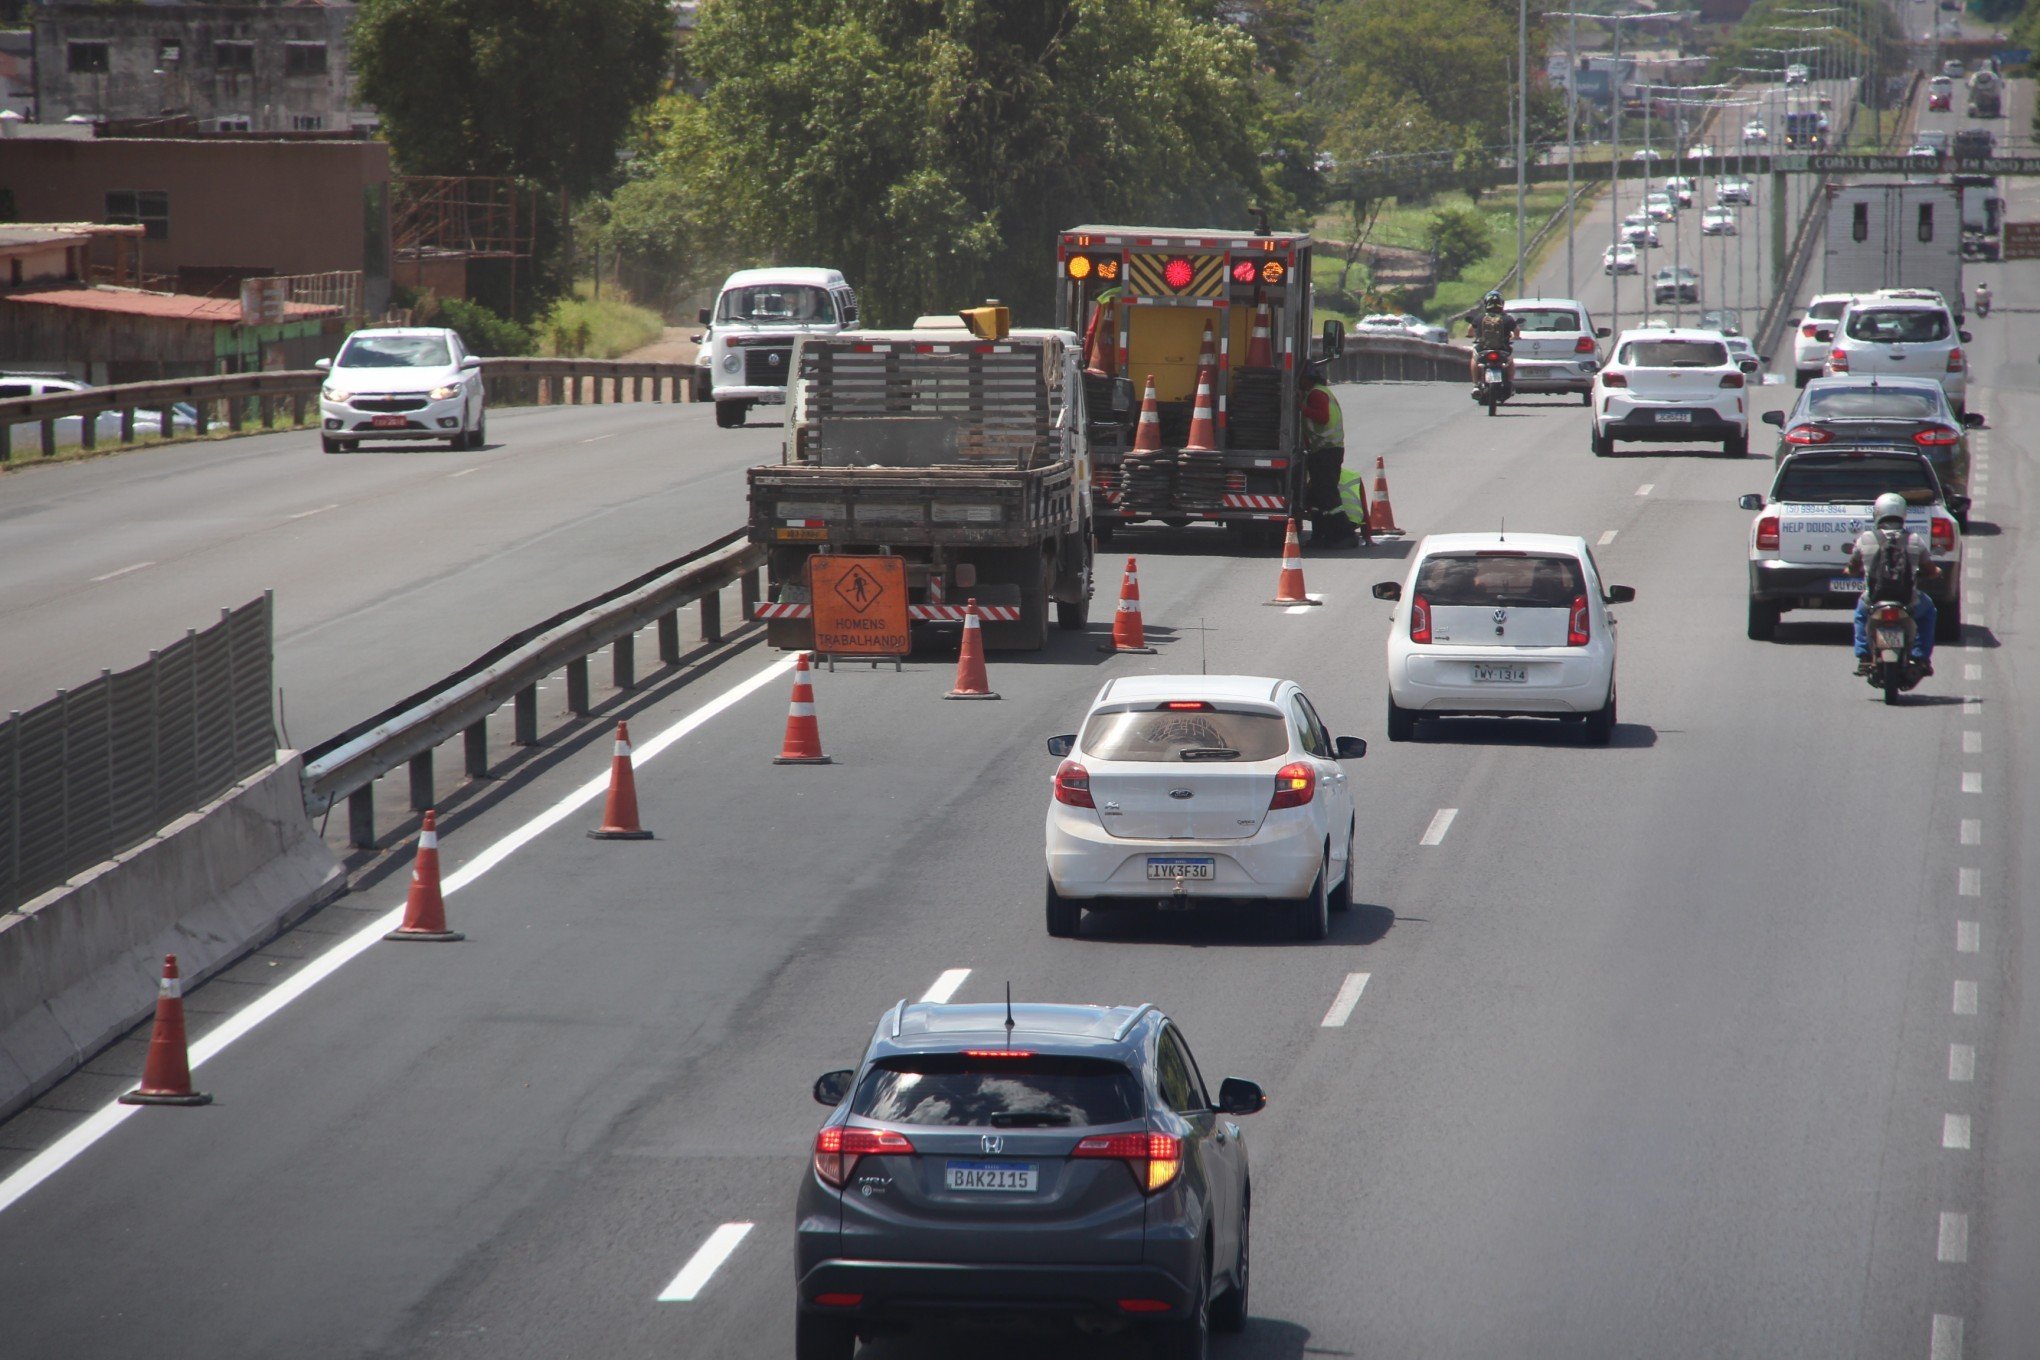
860 605
2022 241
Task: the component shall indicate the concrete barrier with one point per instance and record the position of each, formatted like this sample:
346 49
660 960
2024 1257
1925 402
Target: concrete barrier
78 965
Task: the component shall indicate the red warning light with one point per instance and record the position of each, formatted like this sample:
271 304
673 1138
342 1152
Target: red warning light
1177 273
1243 272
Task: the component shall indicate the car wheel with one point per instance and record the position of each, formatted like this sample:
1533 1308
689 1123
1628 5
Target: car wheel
1342 896
1188 1338
1948 622
1604 445
1763 625
481 431
1310 917
1229 1310
729 415
1601 723
1063 914
1738 447
1402 722
330 444
1587 397
823 1338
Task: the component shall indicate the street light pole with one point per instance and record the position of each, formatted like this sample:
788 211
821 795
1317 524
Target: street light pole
1572 148
1522 131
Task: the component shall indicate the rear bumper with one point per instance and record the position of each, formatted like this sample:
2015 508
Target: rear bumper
1554 375
1567 681
764 396
1280 860
1796 586
1706 426
902 1290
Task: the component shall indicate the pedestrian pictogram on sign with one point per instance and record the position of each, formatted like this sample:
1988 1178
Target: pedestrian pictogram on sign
860 605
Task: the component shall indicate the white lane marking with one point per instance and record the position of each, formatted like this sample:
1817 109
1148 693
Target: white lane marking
122 572
1972 600
1955 1132
1345 1001
1954 1243
1961 1062
597 439
1969 882
945 986
1965 998
1608 537
1974 573
66 1149
1968 937
695 1275
307 514
1972 672
1972 781
1646 488
1972 743
1972 831
464 472
1441 822
1971 706
1947 1338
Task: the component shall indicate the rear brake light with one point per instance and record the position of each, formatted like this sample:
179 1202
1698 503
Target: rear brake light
997 1053
1955 360
1295 785
1613 380
1576 623
1143 1306
1838 362
1944 535
1810 332
1583 345
1731 380
1808 434
838 1150
1767 534
839 1300
1889 613
1936 437
1187 706
1420 619
1155 1158
1073 784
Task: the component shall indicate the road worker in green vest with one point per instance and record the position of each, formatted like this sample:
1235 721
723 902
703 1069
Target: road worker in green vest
1337 498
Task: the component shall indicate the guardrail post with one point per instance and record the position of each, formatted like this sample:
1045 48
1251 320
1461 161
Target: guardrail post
88 430
669 638
623 662
268 410
127 425
524 714
6 443
752 590
577 687
711 616
596 383
574 384
477 735
235 413
49 439
297 408
421 781
361 817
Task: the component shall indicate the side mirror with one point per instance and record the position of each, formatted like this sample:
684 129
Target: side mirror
1388 590
1062 746
1773 418
1793 323
695 337
470 363
1621 594
1601 332
1335 339
1965 336
323 365
1972 420
1749 365
1750 502
1349 748
1239 1096
1122 396
702 316
832 1087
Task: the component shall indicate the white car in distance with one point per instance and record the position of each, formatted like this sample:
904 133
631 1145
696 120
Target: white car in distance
1733 191
1676 386
1502 624
1644 233
1660 207
1619 259
402 383
1180 789
1718 221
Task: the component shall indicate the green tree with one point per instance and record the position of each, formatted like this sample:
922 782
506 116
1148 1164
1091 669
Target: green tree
1449 57
543 90
1457 237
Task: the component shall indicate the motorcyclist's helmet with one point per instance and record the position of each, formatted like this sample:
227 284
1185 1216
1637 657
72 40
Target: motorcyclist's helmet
1493 302
1889 506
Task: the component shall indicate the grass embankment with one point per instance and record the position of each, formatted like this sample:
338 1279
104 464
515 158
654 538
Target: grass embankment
589 327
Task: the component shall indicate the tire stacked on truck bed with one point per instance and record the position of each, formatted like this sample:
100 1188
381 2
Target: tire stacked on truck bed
1254 411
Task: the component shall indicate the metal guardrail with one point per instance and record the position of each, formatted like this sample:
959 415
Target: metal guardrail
348 765
1381 358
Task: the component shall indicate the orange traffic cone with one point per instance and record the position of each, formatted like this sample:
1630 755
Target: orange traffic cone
425 909
1261 345
1203 429
1147 437
1207 356
1289 589
1128 633
619 812
1101 347
1380 514
166 1072
971 680
803 745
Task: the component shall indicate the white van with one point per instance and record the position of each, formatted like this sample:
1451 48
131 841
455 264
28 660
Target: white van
751 330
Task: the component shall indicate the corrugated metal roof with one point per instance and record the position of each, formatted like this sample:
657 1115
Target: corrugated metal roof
15 236
168 306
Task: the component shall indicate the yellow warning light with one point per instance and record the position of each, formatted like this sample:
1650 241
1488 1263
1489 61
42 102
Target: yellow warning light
1080 266
1272 271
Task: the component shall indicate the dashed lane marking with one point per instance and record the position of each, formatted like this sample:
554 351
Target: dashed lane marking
1968 937
1972 781
1962 1062
1972 743
1608 537
945 986
1441 822
1953 1246
307 514
1955 1132
1972 672
1971 706
701 1267
1646 488
1946 1343
1345 1001
597 439
1969 882
1965 998
1972 831
122 572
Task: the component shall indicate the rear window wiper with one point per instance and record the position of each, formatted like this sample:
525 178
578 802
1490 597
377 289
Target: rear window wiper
1207 753
1028 1119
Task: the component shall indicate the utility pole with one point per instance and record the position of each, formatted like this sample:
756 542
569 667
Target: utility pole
1572 147
1522 131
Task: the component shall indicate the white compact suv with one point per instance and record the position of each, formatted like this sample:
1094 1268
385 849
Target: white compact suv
1676 385
1914 334
748 346
402 383
1556 345
1502 623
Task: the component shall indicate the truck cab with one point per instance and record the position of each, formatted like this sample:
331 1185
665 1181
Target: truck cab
747 350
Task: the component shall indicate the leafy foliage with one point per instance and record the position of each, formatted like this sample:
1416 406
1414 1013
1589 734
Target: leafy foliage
1457 237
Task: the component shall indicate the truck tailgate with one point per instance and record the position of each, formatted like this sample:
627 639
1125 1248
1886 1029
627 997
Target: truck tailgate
790 503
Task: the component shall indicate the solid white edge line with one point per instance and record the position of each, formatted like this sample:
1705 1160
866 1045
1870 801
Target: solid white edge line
702 1266
945 986
60 1153
1946 1342
1345 1001
1441 822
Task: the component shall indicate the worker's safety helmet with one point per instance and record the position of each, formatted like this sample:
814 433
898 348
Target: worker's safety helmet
1316 374
1890 506
1493 302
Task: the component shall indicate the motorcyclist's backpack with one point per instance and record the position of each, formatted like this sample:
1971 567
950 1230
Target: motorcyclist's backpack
1889 572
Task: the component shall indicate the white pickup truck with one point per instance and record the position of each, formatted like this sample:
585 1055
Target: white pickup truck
1819 503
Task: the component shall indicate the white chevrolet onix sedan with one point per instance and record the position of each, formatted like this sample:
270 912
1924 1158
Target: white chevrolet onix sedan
1189 788
1502 624
412 382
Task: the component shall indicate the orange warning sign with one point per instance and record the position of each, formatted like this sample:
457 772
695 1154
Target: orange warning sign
860 605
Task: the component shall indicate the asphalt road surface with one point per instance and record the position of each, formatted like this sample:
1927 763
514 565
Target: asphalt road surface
1706 1044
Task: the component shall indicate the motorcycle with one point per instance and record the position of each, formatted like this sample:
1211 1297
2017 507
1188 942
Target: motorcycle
1982 300
1493 388
1892 633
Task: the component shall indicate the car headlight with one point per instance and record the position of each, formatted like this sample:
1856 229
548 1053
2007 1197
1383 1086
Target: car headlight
446 393
335 394
731 363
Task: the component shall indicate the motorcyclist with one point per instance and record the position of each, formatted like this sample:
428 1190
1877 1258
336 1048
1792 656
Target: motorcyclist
1492 328
1892 560
1982 299
1332 523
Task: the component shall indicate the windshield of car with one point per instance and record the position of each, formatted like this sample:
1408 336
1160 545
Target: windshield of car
1185 730
776 303
1547 319
1897 325
958 1090
1489 579
1853 480
1674 354
1866 403
395 351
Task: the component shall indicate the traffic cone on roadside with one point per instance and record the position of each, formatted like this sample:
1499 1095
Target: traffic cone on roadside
1147 436
971 680
1128 632
1380 514
1207 354
1101 350
166 1072
425 909
619 811
803 744
1203 429
1261 343
1289 588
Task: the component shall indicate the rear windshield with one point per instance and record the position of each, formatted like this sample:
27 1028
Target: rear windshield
1898 325
1524 580
1815 478
1827 311
1674 354
1156 732
957 1090
1547 319
1873 404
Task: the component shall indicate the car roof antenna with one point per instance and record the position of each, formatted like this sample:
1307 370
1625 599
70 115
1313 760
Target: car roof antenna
1009 1012
1503 536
